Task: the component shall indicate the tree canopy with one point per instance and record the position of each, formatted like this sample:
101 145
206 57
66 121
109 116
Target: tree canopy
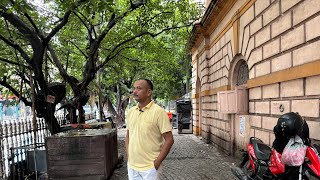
53 41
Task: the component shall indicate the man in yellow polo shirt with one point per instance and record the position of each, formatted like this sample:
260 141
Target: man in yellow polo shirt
149 137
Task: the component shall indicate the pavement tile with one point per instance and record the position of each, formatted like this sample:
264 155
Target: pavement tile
189 158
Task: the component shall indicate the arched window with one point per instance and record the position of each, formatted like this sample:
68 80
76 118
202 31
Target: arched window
243 74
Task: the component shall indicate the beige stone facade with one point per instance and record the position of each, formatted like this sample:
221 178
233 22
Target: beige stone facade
279 43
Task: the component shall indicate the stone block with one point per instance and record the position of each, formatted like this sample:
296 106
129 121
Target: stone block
262 36
224 81
255 56
269 122
225 51
282 24
263 135
312 30
263 68
244 40
292 88
247 17
252 73
255 93
249 47
256 25
255 121
261 5
85 154
251 107
306 54
271 48
287 4
218 55
282 62
272 137
308 108
271 13
304 10
314 129
223 125
231 48
313 85
262 107
227 62
252 133
270 91
280 107
293 38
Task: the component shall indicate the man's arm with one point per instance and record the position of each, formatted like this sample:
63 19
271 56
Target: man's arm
168 142
126 140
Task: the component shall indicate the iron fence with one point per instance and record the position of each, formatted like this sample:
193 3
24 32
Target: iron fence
18 137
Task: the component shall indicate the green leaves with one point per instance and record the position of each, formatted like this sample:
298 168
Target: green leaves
129 38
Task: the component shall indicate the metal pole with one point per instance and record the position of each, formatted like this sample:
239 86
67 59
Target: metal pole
34 120
1 154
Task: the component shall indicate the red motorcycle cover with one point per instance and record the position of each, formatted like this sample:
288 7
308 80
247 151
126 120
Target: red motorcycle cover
314 159
251 155
276 165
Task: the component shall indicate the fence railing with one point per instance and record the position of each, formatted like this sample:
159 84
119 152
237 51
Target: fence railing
17 136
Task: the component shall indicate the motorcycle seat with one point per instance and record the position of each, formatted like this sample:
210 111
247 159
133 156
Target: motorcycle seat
261 150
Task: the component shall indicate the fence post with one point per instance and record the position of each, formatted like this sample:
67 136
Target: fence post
1 153
5 149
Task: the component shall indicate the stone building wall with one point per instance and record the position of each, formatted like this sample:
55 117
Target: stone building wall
280 41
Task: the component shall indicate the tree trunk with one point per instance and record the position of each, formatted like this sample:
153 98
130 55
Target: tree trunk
51 120
121 112
109 107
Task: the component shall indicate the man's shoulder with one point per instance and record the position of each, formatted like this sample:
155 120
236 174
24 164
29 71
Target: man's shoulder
158 108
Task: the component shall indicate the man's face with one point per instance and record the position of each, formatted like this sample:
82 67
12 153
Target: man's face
141 91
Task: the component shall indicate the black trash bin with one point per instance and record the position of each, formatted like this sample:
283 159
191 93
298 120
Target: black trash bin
183 115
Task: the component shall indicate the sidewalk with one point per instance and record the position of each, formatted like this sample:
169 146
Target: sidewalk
189 158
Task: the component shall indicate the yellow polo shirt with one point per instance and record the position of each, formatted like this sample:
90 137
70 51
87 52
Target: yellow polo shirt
145 135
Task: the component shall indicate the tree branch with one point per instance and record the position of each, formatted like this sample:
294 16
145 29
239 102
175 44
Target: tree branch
62 71
57 28
4 83
32 23
114 18
110 56
22 27
86 56
14 63
17 47
62 23
155 16
131 59
85 25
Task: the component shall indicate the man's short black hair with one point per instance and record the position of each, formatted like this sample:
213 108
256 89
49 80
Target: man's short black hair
148 82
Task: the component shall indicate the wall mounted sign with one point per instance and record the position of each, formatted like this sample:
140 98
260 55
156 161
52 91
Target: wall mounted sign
242 125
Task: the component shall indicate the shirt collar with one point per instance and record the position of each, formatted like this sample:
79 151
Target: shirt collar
146 107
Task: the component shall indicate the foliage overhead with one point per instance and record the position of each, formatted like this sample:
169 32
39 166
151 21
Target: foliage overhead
70 41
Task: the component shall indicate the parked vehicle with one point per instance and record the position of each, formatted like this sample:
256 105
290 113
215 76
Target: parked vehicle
183 114
261 162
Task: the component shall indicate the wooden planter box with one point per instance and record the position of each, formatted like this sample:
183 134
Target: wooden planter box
82 154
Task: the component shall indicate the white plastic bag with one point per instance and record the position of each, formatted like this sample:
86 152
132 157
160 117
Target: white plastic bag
294 152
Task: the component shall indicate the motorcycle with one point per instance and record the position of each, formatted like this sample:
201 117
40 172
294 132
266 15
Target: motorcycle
260 162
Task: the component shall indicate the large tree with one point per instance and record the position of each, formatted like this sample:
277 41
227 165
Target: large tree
42 42
164 61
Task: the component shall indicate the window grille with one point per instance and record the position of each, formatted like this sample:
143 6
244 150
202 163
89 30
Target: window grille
243 74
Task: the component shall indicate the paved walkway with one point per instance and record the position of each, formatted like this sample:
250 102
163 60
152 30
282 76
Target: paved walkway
189 158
